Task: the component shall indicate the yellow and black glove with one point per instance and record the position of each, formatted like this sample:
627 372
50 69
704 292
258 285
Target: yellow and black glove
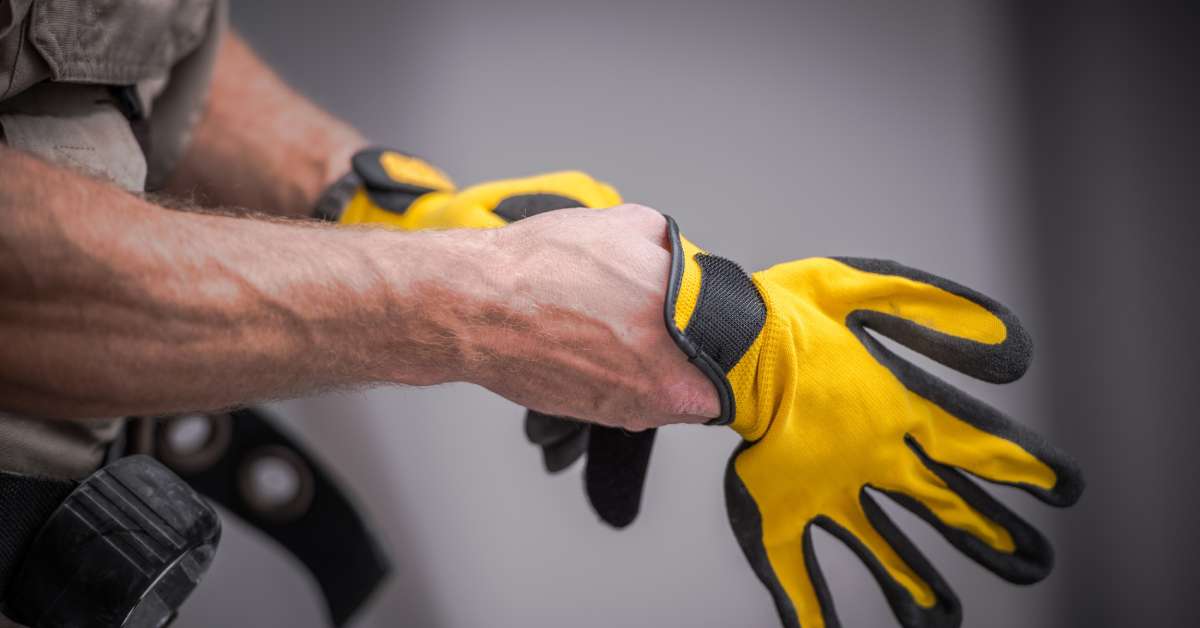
831 417
390 188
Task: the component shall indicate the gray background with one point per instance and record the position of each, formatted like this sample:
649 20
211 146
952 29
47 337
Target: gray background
771 131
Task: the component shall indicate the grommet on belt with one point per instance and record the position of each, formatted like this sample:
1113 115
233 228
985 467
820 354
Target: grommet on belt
193 442
276 484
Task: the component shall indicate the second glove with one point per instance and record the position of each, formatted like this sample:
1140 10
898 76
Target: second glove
390 188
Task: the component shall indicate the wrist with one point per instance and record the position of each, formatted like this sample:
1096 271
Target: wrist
440 296
325 161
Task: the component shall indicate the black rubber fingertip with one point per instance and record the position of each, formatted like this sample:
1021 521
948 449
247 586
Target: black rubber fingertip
1016 353
1070 483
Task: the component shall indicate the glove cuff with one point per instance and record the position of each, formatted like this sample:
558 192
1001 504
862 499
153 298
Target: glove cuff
336 197
714 313
391 179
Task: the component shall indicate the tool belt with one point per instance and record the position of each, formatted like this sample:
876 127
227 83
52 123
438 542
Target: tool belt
125 546
309 514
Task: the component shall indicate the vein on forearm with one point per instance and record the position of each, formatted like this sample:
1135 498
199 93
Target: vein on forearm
111 305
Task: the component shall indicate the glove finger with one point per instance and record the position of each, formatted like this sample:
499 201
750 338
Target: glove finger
558 456
616 472
572 184
918 595
791 573
544 429
952 324
967 433
494 204
521 206
974 521
563 441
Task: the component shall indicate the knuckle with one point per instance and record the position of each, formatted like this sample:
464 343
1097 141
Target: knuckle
635 423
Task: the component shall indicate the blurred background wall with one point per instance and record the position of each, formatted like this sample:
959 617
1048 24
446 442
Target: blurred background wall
944 134
1111 95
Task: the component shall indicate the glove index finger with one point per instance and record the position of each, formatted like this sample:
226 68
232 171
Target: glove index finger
950 323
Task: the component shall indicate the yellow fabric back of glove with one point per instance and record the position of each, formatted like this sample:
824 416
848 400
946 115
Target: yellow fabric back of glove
363 211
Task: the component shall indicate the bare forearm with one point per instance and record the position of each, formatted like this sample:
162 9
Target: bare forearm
110 305
260 144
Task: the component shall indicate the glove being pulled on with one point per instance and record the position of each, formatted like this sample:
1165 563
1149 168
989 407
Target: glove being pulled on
831 417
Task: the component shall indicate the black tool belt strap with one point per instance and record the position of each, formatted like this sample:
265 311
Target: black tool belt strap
27 502
318 524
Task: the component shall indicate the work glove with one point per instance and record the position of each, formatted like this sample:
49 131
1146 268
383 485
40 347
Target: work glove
831 417
390 188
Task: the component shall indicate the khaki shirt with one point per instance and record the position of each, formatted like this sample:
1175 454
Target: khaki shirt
59 63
